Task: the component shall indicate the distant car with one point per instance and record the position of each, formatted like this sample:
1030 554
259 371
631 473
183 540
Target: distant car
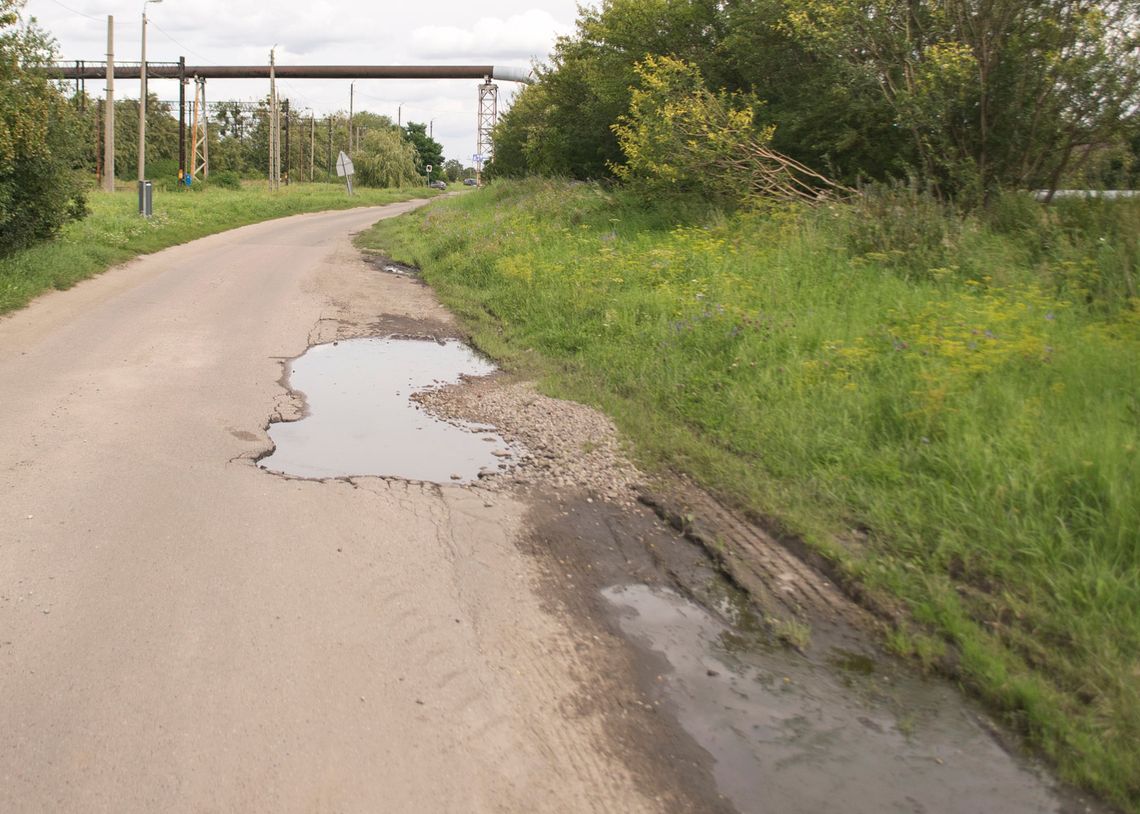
438 185
470 182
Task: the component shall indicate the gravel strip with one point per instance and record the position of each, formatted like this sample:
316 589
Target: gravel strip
553 442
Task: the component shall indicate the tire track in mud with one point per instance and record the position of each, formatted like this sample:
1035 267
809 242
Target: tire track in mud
776 578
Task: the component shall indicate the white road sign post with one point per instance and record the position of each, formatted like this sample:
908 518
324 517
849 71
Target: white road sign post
344 169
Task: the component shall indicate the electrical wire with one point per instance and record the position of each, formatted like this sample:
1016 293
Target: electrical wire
434 114
176 42
294 95
76 11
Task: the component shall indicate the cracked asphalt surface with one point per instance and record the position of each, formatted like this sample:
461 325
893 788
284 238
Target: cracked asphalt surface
180 631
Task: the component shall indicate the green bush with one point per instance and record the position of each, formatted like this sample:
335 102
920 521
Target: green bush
40 141
163 173
901 227
1098 259
228 179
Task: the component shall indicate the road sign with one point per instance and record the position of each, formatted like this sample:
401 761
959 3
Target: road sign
477 158
427 168
343 165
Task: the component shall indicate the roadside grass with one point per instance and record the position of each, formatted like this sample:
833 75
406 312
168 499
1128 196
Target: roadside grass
964 396
114 232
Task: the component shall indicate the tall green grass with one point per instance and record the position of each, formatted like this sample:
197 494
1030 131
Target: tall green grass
114 232
964 393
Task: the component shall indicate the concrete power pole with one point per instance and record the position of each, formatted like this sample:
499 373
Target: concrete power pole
142 101
109 117
274 128
312 144
286 172
351 93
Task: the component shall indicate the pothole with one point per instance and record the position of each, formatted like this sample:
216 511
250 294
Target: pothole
361 420
385 264
790 734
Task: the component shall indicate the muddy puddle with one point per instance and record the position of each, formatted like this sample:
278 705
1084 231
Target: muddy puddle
360 419
853 734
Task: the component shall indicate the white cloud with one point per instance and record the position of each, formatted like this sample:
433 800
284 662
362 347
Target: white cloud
525 36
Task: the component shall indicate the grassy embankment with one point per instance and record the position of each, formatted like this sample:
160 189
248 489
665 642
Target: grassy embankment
966 395
114 232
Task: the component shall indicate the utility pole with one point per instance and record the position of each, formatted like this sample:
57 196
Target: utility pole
182 121
328 166
274 127
431 128
399 115
312 144
286 172
144 209
109 116
99 117
142 96
142 102
351 91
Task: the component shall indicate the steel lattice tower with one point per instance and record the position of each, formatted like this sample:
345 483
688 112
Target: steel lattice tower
488 115
200 160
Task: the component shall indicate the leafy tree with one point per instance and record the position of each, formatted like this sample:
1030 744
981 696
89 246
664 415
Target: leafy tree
454 170
161 136
41 148
231 120
965 96
385 159
428 150
562 124
823 116
518 131
364 120
992 93
681 137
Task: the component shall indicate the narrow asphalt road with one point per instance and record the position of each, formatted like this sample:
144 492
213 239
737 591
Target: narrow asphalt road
180 631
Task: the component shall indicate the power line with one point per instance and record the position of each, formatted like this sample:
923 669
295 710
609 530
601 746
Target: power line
434 113
176 42
75 11
293 93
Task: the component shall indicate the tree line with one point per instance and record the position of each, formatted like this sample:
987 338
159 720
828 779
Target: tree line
238 142
51 141
961 97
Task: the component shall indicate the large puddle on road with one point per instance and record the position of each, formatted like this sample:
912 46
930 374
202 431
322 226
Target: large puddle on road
361 420
789 735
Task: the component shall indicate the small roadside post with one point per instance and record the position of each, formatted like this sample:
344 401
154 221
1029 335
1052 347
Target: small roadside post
344 169
427 178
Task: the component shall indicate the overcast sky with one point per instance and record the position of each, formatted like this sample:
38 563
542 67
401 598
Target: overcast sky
323 32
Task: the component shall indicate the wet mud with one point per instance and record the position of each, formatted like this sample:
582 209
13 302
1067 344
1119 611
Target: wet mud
787 734
762 726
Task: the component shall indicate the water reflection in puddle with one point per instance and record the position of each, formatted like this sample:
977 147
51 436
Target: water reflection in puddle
361 421
788 735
